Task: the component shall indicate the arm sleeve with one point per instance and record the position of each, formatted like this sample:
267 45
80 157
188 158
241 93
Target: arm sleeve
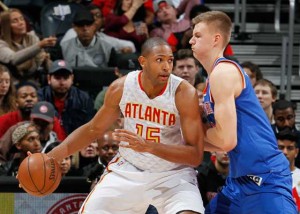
8 55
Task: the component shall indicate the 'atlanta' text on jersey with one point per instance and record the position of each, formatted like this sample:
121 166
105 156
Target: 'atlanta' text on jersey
149 113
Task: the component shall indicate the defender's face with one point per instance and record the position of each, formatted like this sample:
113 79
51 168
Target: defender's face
201 41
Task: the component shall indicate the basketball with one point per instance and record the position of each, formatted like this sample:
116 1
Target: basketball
39 175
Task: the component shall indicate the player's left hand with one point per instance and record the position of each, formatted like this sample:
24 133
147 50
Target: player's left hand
135 142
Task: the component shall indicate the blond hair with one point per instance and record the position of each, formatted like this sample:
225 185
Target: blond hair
219 20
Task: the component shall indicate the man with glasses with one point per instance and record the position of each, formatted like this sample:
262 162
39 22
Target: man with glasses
285 117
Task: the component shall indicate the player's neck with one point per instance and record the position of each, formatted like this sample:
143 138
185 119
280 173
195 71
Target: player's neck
210 64
152 90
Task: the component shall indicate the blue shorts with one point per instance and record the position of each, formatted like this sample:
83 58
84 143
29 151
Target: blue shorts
243 196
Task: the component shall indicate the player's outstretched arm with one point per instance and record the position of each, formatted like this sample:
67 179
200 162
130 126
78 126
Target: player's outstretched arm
95 128
225 86
192 152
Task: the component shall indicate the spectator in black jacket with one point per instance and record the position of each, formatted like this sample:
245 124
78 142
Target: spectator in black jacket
211 177
285 118
73 106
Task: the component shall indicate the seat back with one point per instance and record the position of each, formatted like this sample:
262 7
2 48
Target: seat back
57 17
92 80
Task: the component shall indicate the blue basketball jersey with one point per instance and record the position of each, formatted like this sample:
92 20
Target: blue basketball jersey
256 152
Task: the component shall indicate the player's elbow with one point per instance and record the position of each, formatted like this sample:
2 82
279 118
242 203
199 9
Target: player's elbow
229 144
196 160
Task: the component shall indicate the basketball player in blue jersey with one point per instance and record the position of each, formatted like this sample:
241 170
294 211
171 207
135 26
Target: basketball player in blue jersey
160 143
259 180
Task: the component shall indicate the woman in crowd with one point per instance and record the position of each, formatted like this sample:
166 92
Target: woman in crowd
20 48
7 91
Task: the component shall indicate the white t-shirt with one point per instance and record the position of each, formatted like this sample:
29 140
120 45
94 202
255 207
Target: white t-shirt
296 179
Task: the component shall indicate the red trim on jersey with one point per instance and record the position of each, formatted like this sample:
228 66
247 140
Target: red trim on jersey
140 80
239 69
142 88
164 89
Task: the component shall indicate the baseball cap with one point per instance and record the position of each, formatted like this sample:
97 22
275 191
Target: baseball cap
83 17
60 65
20 132
127 63
157 4
43 110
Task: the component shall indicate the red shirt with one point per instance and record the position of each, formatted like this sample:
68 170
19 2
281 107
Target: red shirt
107 6
9 119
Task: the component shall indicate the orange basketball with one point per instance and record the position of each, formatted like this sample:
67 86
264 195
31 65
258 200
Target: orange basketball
39 175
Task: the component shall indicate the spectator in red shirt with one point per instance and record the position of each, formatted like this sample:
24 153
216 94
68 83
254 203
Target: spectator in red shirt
26 98
128 22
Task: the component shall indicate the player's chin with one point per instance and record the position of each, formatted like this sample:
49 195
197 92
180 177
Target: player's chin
163 78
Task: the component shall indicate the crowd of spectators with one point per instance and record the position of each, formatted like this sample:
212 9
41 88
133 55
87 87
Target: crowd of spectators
40 105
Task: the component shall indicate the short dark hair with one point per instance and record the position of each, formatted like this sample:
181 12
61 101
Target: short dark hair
152 42
254 68
184 54
283 104
26 83
287 134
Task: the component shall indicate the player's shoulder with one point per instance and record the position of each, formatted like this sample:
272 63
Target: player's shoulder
116 87
225 71
186 88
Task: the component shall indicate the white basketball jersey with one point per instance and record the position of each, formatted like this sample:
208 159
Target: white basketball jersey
155 120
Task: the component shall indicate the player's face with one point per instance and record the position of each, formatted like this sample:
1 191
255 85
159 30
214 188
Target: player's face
264 95
289 149
186 69
284 118
202 40
158 64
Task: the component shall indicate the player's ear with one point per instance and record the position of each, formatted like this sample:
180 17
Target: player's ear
217 38
142 61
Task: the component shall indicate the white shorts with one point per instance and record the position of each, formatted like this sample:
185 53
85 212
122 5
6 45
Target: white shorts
124 189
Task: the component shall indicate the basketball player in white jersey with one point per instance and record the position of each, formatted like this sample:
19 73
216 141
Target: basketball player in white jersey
160 144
